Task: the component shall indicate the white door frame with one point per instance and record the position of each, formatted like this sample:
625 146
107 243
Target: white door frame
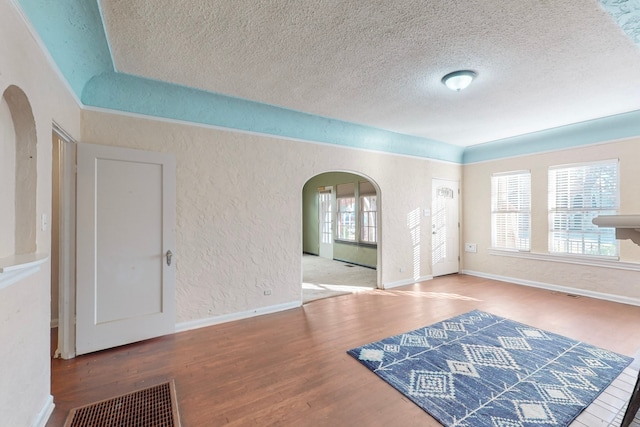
67 248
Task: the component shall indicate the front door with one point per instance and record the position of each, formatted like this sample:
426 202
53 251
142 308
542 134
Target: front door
125 242
445 240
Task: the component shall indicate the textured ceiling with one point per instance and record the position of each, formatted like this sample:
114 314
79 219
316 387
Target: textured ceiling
541 63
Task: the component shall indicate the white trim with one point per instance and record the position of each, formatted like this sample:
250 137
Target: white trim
595 261
254 133
17 267
210 321
43 416
67 254
45 52
552 150
391 285
557 288
615 160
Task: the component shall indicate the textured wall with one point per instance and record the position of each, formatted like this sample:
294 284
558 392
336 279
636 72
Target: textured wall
239 208
477 220
24 306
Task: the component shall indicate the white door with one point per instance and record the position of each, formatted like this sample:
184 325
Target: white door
125 239
325 222
445 238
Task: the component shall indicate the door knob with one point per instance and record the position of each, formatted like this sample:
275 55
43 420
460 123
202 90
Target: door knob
169 255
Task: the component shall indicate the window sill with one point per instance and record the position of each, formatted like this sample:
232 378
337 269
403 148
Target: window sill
352 243
606 262
17 267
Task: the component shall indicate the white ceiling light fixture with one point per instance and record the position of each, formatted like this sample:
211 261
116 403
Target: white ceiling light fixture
459 80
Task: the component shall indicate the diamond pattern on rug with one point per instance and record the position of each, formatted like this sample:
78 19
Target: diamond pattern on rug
481 370
557 394
514 343
489 356
463 368
534 412
435 384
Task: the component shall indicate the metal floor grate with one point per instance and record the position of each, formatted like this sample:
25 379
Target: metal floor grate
150 407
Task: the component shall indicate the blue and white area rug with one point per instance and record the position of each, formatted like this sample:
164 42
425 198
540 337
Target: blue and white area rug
482 370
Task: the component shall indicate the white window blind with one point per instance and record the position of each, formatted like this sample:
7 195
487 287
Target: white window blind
511 210
368 212
577 194
346 215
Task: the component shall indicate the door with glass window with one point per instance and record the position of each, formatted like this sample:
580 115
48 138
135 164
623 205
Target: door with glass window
445 233
325 222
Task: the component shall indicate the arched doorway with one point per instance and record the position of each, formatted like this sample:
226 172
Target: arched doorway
341 235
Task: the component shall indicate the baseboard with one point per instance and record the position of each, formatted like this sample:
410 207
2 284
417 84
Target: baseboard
44 414
210 321
556 288
391 285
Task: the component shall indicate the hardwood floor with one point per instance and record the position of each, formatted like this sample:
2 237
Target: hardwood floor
291 368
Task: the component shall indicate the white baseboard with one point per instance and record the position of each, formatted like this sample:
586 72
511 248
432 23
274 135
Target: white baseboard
557 288
210 321
44 414
391 285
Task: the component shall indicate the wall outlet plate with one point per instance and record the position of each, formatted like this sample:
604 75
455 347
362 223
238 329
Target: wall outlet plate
471 247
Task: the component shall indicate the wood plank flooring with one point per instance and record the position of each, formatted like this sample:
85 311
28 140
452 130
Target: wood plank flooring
291 368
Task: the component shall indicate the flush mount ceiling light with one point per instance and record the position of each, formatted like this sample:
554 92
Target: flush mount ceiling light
459 80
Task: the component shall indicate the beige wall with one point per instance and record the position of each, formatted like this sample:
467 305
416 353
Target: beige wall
239 207
584 278
24 323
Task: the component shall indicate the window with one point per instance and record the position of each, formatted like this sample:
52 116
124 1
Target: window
346 218
577 194
368 213
511 210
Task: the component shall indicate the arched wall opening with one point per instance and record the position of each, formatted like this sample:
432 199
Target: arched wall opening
18 172
341 220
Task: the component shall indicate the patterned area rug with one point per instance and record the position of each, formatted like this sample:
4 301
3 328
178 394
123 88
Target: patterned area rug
482 370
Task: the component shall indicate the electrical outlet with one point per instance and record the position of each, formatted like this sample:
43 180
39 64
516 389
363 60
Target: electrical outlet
471 247
267 292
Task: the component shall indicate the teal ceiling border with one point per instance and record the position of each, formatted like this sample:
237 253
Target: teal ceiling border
627 16
73 33
128 93
604 129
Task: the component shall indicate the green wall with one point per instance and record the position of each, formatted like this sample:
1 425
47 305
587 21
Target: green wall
356 253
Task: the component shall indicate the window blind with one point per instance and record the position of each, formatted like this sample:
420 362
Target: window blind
577 194
511 210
